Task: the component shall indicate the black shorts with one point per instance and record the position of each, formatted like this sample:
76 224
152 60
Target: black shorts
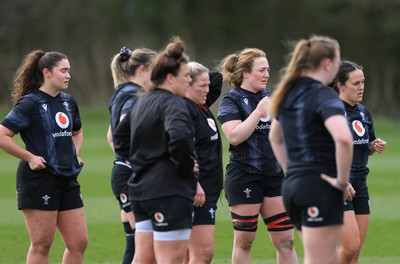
242 187
42 190
360 203
205 215
165 213
312 202
120 174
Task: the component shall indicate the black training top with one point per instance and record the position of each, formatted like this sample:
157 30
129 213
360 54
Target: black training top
362 129
208 141
309 145
162 149
46 124
120 104
254 155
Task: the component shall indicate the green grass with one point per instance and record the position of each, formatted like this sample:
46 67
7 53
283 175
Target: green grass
106 240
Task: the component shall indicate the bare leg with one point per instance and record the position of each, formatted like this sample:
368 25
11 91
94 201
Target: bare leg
144 253
349 238
243 241
320 244
201 244
41 226
362 221
73 229
282 240
170 252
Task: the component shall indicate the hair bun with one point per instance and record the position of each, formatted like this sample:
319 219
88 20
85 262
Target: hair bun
175 49
125 54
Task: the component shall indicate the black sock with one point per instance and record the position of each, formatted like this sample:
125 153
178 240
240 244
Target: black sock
130 243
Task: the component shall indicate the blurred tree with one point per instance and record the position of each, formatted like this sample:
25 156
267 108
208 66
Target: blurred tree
91 32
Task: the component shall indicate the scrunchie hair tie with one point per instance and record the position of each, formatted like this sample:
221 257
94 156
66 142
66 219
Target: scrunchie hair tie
125 54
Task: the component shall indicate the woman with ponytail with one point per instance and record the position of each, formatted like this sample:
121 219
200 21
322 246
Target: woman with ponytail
131 75
48 120
312 142
253 176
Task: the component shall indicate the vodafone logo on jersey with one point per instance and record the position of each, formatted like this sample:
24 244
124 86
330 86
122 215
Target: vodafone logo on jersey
211 123
265 117
358 128
62 120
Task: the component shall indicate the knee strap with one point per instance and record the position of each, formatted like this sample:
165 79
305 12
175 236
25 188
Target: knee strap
129 243
128 229
279 222
245 223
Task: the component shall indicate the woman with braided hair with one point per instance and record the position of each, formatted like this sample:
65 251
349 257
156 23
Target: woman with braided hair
131 74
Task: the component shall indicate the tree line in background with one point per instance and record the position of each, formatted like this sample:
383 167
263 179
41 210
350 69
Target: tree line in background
91 32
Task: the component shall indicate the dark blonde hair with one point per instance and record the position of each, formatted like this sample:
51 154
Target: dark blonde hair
123 68
168 61
29 76
234 65
307 55
195 69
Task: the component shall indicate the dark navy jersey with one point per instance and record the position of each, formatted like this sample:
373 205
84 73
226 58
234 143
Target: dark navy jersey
254 155
309 145
208 147
162 149
362 129
45 124
120 104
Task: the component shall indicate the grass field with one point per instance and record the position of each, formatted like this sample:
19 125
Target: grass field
106 240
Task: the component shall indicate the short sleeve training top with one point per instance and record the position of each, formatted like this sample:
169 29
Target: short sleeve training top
254 155
309 145
45 124
120 104
362 129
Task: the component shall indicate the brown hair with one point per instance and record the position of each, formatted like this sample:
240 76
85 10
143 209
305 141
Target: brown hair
168 61
343 74
29 76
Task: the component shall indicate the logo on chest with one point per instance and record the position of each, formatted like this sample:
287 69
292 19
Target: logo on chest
62 120
212 124
358 127
265 117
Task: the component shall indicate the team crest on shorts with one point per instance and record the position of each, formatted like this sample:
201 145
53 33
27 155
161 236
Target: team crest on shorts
123 197
159 217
